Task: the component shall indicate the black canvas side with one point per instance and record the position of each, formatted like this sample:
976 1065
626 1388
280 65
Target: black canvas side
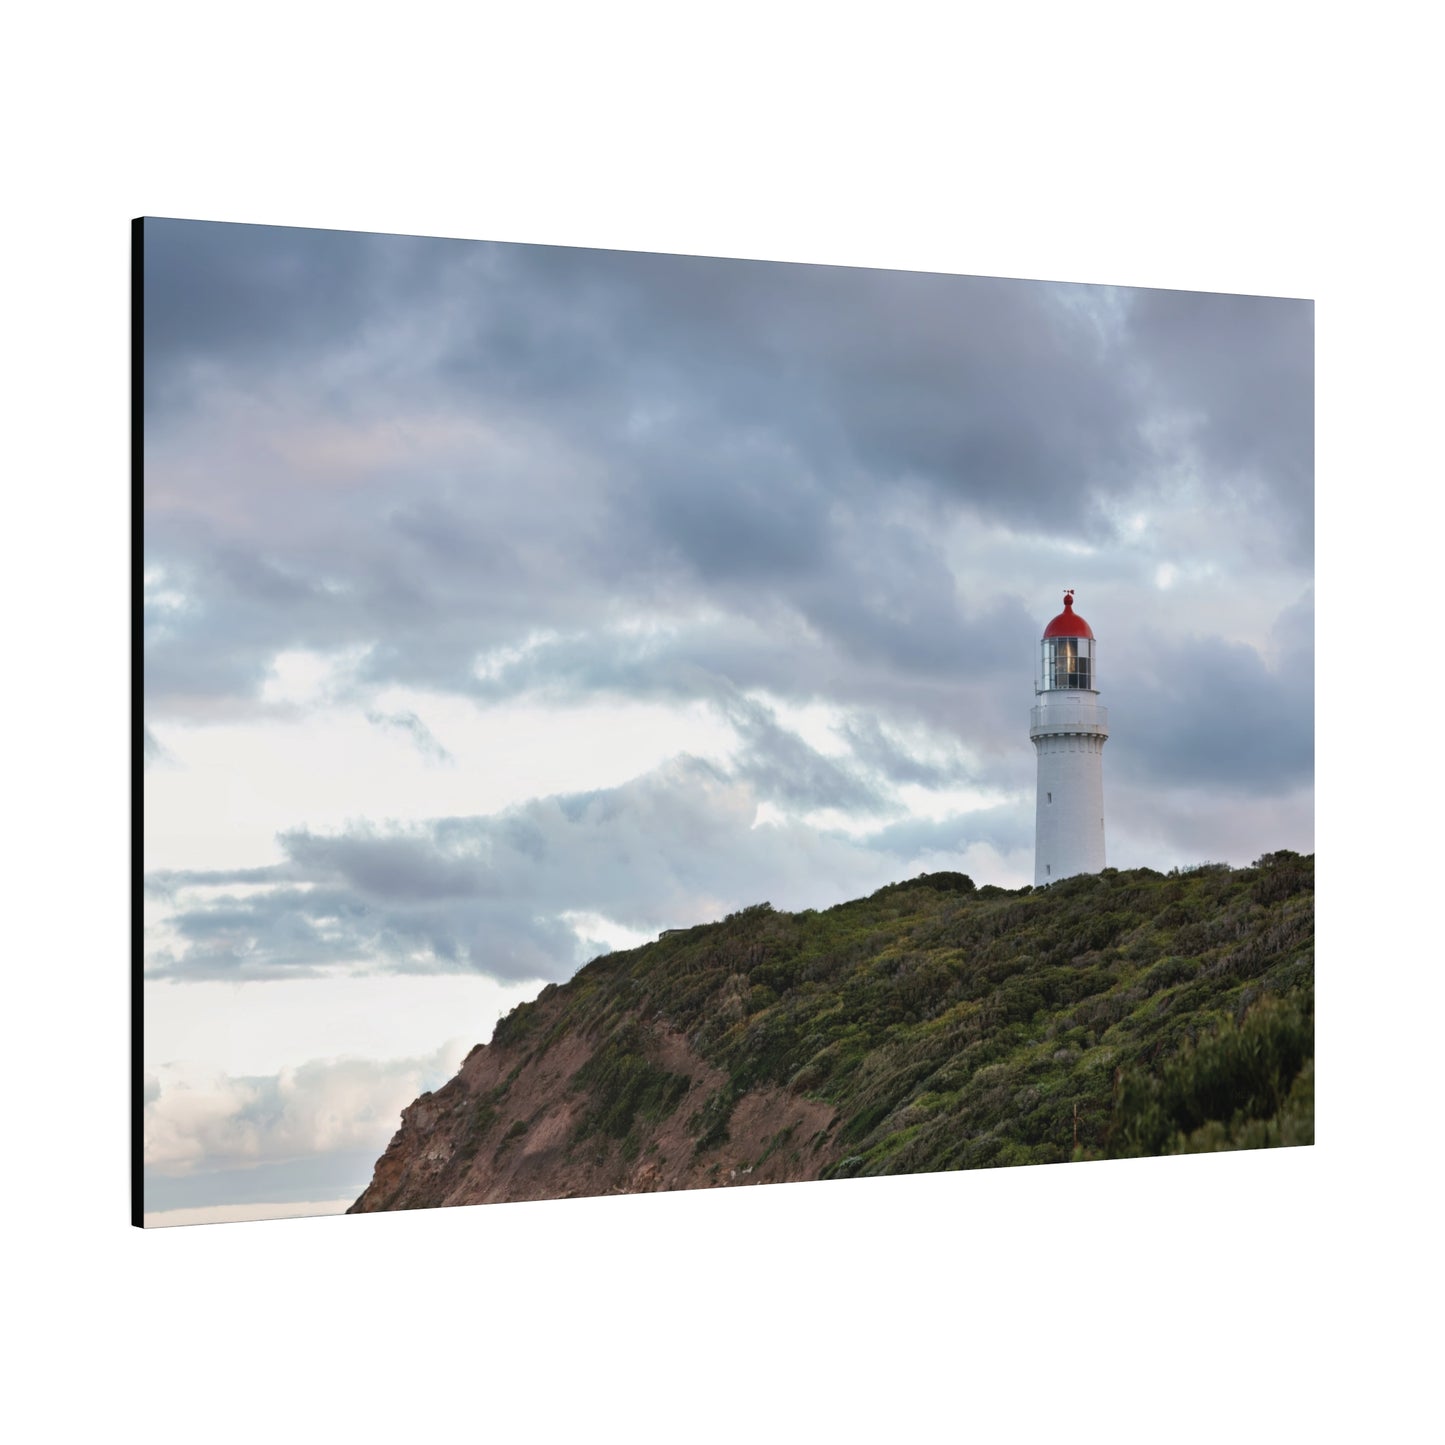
137 727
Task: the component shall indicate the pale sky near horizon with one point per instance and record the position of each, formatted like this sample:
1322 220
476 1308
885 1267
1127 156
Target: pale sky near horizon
508 603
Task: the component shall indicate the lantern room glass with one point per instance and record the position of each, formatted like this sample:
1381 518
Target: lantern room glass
1068 663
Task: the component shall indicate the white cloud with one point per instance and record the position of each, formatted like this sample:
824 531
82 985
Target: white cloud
939 803
302 678
201 1118
602 934
234 786
248 1029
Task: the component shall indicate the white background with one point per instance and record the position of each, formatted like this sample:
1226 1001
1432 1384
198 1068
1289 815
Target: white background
1253 148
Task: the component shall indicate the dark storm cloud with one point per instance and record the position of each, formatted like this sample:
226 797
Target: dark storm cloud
1238 371
987 389
1215 713
782 767
893 612
965 678
738 520
872 747
428 451
227 298
1023 400
242 608
303 933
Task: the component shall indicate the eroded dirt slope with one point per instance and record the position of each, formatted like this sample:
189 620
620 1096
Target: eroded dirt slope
507 1128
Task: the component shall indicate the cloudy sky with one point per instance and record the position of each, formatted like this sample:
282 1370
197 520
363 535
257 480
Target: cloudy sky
504 604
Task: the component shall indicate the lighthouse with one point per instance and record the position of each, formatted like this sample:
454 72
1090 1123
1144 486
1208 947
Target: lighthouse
1068 729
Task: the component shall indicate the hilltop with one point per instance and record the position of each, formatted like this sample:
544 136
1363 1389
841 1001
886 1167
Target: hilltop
933 1025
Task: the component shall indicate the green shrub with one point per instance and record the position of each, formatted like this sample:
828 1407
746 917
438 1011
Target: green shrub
953 1026
1239 1075
622 1083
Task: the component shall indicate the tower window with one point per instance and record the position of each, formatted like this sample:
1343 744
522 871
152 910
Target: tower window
1068 662
1049 869
1051 797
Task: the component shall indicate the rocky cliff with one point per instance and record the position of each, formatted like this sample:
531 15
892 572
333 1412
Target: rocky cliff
931 1026
517 1123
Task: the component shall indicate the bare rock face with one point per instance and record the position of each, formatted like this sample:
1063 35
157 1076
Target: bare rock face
518 1123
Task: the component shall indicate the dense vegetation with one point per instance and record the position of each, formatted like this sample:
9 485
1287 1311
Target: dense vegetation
1123 1013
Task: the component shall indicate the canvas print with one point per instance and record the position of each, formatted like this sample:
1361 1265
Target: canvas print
618 722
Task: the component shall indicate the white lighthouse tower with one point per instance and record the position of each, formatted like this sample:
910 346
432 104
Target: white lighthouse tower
1068 728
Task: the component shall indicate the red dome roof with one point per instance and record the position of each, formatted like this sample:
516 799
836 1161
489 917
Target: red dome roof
1068 623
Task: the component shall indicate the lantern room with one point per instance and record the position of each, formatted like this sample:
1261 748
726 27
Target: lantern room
1068 652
